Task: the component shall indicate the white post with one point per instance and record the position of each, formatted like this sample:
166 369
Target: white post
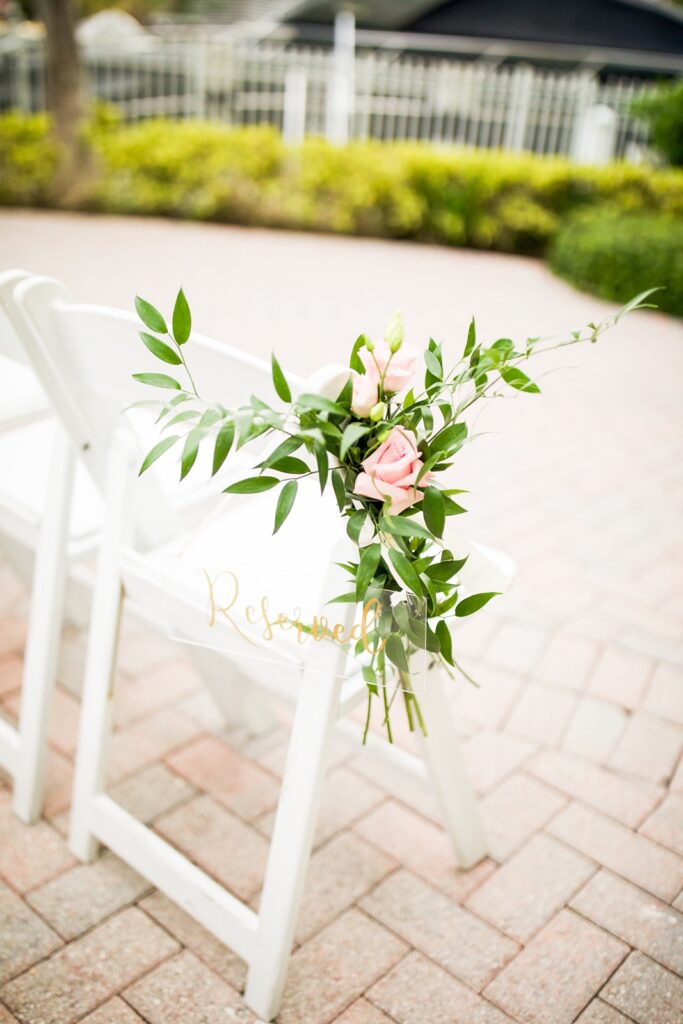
294 110
201 58
518 116
340 90
595 135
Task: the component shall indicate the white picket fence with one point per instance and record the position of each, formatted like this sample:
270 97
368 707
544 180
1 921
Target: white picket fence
391 97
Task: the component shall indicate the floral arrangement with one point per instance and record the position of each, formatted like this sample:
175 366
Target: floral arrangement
380 441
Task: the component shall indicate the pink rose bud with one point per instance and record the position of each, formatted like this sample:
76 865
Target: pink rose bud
391 470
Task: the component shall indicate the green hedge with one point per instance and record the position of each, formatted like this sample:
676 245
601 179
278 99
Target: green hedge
482 199
28 160
616 255
248 176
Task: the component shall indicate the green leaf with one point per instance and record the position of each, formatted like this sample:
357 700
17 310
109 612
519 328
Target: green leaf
209 417
355 524
406 571
182 417
224 440
471 338
433 510
288 464
157 451
404 527
190 449
446 569
429 465
345 396
449 437
396 652
517 379
157 380
323 464
355 361
351 435
367 567
339 489
279 381
321 404
433 365
252 485
636 303
452 508
286 447
473 603
150 316
160 349
176 400
182 319
284 503
445 640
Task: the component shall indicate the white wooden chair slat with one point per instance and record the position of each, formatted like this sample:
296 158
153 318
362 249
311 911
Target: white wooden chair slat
83 356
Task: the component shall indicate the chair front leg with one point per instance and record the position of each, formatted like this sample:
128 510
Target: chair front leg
443 757
292 840
44 633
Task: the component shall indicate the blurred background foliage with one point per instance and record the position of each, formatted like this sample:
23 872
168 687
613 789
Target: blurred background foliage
613 254
629 234
663 111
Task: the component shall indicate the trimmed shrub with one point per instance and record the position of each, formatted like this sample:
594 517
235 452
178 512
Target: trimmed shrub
663 112
616 255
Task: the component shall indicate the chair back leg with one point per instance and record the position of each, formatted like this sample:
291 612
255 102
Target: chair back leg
44 633
443 757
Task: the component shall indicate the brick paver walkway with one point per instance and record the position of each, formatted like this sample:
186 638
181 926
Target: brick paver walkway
574 738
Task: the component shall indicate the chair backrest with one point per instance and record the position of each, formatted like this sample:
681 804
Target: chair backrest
84 357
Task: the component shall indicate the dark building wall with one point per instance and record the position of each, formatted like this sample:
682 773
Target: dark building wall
603 23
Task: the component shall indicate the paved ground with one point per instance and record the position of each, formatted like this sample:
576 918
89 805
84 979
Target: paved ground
574 738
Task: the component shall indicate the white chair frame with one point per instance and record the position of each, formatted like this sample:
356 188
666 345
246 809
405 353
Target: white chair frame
263 940
23 749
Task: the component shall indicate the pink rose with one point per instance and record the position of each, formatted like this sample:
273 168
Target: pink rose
365 392
401 368
391 471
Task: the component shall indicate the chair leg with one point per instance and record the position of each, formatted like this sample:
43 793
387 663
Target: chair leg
441 751
290 849
44 634
100 663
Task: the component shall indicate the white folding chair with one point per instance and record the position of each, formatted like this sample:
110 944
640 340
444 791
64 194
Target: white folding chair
41 539
83 356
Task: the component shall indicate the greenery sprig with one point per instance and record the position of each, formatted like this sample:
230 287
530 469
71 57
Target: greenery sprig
356 441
